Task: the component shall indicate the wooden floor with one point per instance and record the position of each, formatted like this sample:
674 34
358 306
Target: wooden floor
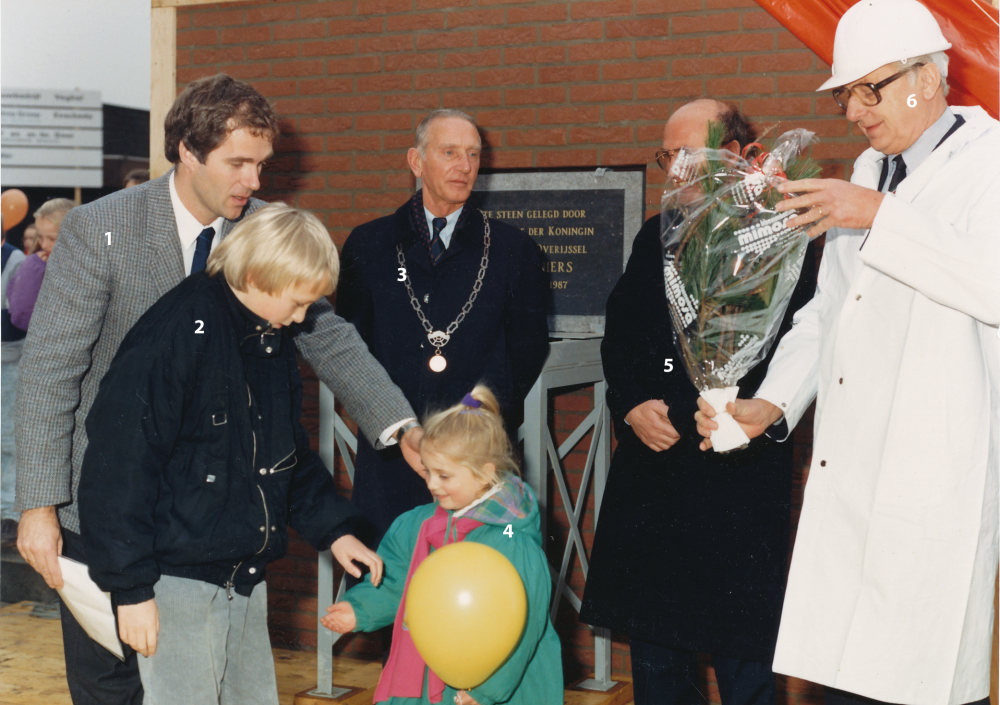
32 670
31 659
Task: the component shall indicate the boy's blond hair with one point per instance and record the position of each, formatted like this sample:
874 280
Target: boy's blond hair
277 247
54 210
472 436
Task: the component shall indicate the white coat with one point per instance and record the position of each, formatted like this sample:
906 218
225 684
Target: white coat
890 593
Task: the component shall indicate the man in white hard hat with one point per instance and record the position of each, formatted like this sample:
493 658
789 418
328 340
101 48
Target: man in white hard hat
890 592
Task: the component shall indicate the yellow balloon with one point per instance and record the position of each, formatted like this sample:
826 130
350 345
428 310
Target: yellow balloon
465 609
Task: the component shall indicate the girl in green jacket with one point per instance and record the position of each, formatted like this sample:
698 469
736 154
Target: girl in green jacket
478 497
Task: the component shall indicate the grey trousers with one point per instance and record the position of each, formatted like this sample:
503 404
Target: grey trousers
210 650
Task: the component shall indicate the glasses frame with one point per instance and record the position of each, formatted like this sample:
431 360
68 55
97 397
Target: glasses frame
838 93
664 156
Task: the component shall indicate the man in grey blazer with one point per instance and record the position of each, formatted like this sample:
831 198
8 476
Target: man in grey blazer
115 258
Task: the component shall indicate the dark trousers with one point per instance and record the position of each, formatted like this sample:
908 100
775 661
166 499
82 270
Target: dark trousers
832 696
664 676
95 676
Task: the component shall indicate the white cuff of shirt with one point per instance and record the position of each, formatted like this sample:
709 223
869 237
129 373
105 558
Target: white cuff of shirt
388 437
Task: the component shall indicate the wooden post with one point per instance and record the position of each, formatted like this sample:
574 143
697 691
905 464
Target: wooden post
163 76
163 83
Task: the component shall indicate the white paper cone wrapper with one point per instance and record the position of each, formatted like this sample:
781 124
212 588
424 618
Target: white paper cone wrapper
728 436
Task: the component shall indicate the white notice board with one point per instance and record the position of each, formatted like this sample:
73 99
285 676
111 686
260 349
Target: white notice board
51 138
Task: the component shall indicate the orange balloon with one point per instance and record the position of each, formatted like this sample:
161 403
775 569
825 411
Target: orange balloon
465 609
14 206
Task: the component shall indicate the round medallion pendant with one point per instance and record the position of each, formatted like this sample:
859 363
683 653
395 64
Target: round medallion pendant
438 363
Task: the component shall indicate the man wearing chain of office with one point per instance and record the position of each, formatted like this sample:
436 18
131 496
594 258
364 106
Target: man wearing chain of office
445 298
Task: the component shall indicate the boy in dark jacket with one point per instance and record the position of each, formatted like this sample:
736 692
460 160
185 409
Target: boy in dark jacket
197 461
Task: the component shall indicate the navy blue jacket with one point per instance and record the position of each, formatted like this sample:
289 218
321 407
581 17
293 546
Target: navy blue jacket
197 462
502 342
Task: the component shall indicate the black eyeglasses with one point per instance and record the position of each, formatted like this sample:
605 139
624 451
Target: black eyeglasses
665 156
867 93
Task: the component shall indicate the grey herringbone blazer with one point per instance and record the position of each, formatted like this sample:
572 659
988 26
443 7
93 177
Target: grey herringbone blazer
94 292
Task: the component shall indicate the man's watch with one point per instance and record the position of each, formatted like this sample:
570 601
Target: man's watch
404 428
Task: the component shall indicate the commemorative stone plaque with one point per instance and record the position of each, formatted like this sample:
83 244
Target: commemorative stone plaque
583 221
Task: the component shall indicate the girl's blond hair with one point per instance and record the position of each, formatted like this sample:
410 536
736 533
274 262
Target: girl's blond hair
54 210
473 436
276 247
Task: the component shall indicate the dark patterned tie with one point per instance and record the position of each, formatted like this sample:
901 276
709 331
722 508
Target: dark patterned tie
899 174
202 249
437 246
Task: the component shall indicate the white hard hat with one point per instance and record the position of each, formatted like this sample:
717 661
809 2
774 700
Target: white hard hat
874 33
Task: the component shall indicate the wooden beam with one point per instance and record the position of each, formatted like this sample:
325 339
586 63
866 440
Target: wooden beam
185 3
163 83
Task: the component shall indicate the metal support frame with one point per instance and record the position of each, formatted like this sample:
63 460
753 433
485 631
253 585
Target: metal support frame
570 363
333 435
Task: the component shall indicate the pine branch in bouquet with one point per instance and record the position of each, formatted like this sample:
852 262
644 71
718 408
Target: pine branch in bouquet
801 169
732 288
702 261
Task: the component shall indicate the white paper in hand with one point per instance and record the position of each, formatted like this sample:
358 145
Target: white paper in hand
729 435
90 605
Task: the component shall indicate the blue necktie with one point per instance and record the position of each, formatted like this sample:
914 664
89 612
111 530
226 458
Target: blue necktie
437 246
202 249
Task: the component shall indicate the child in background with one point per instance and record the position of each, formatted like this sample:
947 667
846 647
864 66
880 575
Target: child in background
23 288
473 477
197 462
29 241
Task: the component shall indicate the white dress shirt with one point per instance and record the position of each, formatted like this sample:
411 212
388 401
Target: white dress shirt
188 227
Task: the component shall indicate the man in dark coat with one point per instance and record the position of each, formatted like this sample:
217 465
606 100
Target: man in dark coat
444 298
689 554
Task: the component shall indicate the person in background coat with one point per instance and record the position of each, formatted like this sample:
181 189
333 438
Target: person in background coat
20 292
27 281
413 273
115 258
135 177
10 349
890 591
690 550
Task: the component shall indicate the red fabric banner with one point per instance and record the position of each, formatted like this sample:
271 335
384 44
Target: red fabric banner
970 25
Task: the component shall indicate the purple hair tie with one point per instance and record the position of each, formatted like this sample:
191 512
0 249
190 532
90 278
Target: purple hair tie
469 400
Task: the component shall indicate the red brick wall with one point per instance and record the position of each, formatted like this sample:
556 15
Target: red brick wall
552 84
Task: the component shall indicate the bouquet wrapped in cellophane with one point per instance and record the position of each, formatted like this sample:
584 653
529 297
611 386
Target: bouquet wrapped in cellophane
730 263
